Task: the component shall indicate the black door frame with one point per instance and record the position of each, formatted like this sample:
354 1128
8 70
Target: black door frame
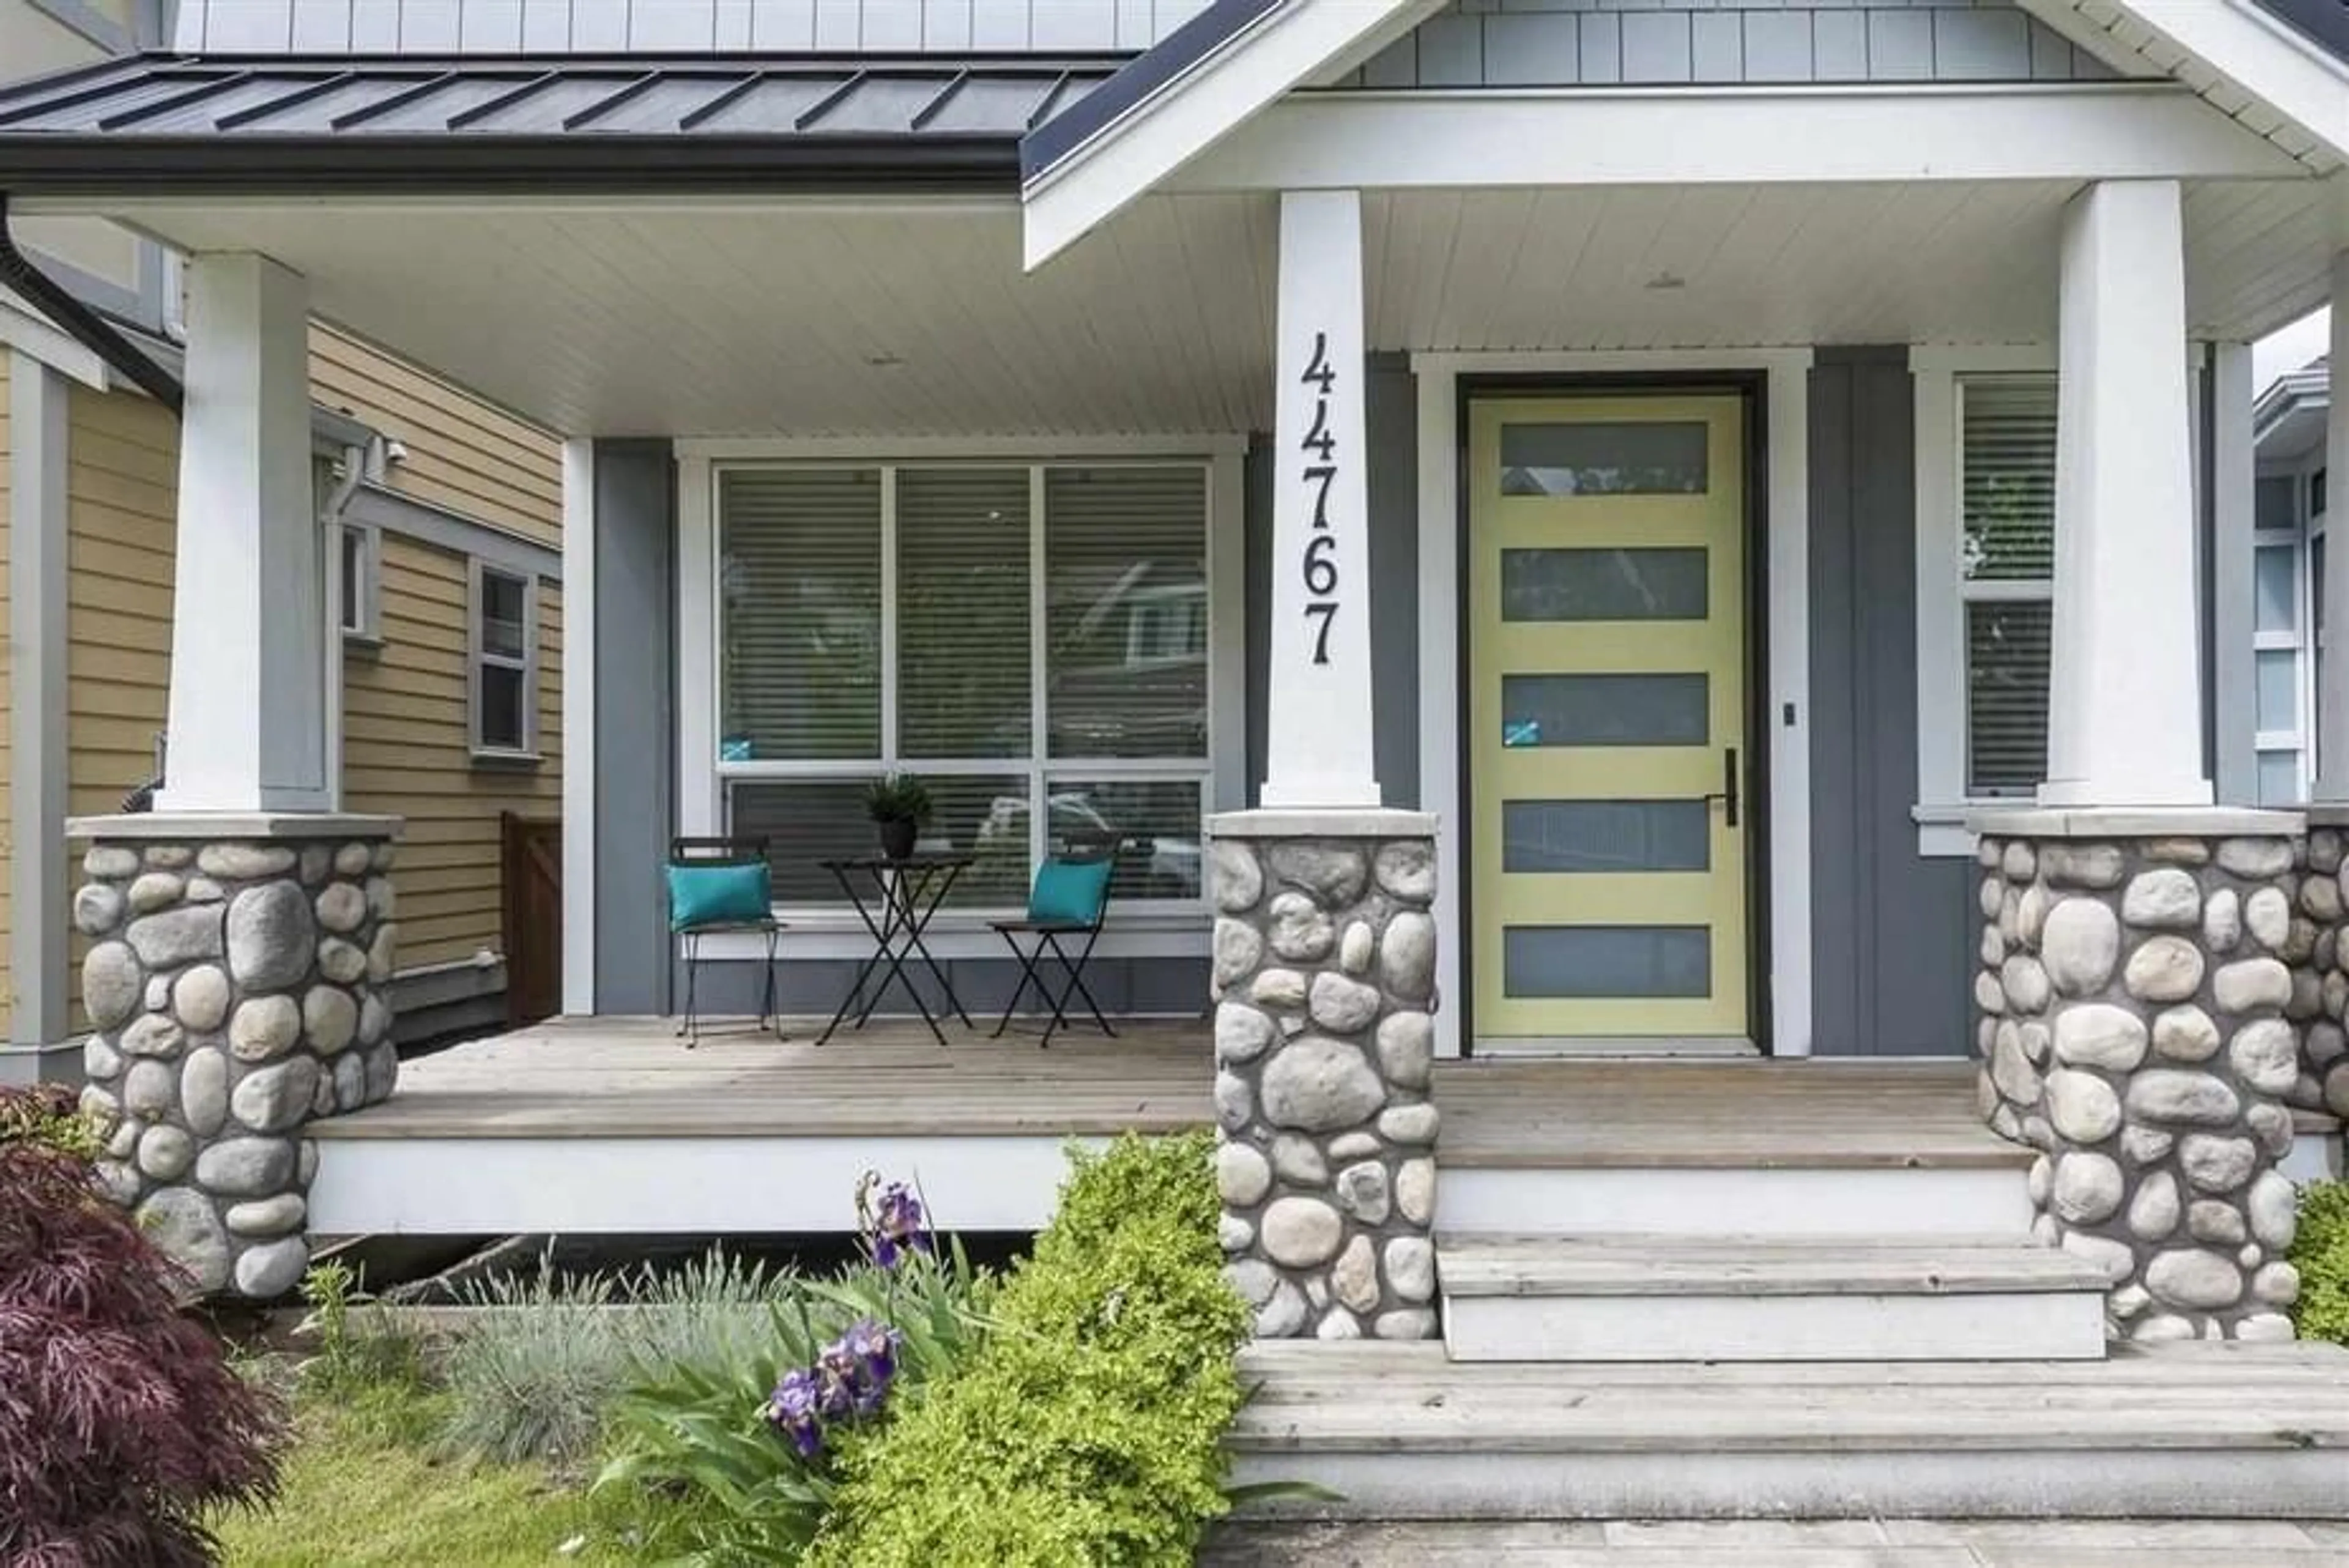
1752 389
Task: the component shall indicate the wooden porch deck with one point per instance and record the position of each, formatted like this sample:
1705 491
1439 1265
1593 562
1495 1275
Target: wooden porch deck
633 1078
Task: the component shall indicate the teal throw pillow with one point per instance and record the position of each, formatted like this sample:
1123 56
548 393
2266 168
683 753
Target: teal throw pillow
716 895
1069 892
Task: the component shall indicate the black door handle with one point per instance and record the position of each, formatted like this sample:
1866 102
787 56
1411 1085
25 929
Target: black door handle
1728 793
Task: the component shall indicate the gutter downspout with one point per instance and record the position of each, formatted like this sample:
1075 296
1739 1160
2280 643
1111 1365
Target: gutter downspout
80 323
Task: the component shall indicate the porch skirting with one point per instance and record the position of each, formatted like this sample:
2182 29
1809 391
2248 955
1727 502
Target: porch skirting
2140 996
1325 986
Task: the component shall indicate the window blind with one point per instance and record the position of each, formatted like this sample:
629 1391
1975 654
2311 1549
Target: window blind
800 590
1126 558
963 681
2008 459
2006 695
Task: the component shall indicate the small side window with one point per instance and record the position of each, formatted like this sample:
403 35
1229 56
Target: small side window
361 567
504 664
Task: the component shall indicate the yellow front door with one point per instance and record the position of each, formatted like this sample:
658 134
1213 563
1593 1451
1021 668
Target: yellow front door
1608 748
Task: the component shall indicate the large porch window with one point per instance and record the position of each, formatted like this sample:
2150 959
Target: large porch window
1031 638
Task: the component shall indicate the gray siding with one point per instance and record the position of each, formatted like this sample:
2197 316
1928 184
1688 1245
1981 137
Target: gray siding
636 712
559 26
1594 43
1890 931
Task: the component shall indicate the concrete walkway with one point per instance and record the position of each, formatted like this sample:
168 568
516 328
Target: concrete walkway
1765 1543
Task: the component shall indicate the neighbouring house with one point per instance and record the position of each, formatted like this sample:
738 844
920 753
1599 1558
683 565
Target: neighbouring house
2283 619
1582 548
447 516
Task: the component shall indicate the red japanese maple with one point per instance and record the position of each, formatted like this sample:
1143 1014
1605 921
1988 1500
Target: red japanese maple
120 1418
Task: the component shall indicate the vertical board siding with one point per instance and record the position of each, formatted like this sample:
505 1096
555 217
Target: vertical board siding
636 666
1890 932
7 718
675 27
122 509
407 751
462 454
1606 43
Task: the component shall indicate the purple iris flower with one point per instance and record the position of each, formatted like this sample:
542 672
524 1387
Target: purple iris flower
792 1410
898 1225
875 1345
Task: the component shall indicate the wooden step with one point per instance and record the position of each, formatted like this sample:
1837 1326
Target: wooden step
1777 1543
1785 1199
2229 1431
1670 1298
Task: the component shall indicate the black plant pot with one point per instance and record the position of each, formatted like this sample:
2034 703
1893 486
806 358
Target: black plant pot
897 835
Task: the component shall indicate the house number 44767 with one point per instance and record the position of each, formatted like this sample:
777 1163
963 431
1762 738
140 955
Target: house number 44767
1319 563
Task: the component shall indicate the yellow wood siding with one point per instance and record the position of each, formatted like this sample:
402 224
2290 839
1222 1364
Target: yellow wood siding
122 480
7 718
462 453
406 751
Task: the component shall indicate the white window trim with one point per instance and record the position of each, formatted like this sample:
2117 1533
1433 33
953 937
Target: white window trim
1943 590
1137 928
365 626
477 657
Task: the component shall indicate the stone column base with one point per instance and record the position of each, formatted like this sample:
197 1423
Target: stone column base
2136 1007
2324 1083
235 982
1325 988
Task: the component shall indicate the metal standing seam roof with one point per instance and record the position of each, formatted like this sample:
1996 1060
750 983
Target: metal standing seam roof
158 121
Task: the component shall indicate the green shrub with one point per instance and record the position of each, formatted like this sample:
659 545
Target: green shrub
1089 1428
734 1472
2321 1253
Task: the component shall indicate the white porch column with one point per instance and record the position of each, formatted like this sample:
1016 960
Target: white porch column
579 727
2124 688
247 718
2333 697
1318 703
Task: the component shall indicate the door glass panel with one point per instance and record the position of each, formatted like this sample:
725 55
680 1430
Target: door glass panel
1597 459
2278 704
1605 710
2275 604
1603 585
1606 961
1606 835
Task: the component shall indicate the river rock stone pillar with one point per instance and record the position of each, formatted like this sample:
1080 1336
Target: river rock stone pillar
1324 982
235 986
2134 1004
2323 1081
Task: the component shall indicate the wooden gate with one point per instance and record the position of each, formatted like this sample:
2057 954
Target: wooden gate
532 862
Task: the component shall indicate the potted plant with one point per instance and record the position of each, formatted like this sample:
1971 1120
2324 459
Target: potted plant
899 805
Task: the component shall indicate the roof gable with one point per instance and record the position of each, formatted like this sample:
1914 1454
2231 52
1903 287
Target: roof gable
1176 99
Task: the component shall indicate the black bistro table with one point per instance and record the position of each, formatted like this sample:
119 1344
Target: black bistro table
895 899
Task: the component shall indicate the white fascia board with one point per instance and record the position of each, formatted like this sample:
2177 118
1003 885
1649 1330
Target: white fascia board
32 335
1738 136
2258 54
1300 42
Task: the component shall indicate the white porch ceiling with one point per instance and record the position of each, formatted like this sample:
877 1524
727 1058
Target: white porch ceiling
702 318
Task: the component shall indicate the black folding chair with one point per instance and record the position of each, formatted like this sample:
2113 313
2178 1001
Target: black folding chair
1067 902
722 851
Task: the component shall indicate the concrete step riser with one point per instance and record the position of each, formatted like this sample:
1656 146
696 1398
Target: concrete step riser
1791 1203
2053 1326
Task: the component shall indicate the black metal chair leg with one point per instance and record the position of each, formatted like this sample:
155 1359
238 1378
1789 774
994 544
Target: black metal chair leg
772 1019
1027 976
1076 986
691 1029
